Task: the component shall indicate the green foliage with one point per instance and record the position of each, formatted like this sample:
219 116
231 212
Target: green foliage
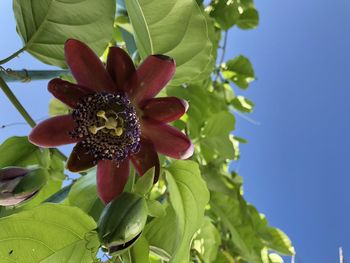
48 233
20 152
56 107
188 197
84 195
45 25
196 211
240 71
159 29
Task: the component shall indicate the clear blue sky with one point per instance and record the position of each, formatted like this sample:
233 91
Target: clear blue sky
295 165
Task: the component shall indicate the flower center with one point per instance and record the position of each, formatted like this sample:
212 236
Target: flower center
108 126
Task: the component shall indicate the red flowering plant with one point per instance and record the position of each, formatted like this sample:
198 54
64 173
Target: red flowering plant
115 117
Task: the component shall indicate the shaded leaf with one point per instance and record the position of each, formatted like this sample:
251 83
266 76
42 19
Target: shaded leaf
226 13
84 195
48 233
249 19
56 107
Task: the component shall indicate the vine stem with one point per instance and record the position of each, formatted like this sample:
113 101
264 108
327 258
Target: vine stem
222 56
15 102
12 56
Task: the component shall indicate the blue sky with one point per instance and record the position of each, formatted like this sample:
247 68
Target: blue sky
295 165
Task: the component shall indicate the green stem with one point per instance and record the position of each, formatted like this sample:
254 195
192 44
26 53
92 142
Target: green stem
12 56
15 102
23 75
222 56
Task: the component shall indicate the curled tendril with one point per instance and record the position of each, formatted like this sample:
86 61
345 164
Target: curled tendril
16 74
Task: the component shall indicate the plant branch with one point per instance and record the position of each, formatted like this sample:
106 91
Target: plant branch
222 56
12 56
15 102
24 75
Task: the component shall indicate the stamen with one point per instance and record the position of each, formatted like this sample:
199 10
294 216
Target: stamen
112 133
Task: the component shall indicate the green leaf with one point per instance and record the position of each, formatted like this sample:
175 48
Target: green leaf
174 28
228 210
240 71
45 25
140 251
275 258
242 104
207 241
171 235
84 195
249 19
48 233
56 107
215 141
145 183
226 13
155 208
188 196
279 241
18 151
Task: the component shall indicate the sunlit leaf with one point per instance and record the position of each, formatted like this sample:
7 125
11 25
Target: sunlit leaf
225 12
240 71
242 104
188 197
45 25
174 28
56 107
207 241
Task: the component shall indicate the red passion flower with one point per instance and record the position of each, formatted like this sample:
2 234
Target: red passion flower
115 117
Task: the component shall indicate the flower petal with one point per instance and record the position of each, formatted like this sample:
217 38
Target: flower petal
86 67
166 109
80 159
150 77
146 158
53 132
167 140
119 66
67 92
111 179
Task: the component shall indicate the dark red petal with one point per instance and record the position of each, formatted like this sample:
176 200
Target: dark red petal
67 92
167 140
111 179
165 109
119 66
146 158
150 77
86 67
80 160
53 132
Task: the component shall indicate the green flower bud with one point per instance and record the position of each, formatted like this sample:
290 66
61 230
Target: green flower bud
18 185
121 222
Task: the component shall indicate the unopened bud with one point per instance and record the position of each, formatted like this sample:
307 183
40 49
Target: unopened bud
18 185
121 222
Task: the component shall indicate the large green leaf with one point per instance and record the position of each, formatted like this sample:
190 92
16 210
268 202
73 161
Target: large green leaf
45 25
249 19
48 233
175 28
172 234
